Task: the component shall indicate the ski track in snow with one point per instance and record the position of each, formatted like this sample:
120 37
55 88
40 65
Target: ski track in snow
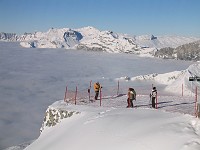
176 104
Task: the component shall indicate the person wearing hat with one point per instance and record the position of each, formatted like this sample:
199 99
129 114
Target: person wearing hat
97 87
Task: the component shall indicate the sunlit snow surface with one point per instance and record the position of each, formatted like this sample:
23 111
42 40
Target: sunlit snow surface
121 128
32 79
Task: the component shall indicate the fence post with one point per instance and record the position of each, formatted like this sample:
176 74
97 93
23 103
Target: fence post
76 94
118 88
65 97
182 89
89 90
196 102
100 96
157 101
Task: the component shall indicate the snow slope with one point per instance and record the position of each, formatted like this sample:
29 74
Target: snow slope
117 128
172 80
189 86
53 38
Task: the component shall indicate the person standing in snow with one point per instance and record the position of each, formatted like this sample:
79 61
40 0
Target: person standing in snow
153 96
97 87
131 96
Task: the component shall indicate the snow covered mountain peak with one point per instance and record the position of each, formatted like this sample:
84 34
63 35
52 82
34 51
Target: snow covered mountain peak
90 38
88 28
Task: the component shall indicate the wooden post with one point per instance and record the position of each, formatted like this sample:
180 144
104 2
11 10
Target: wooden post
100 96
182 89
196 113
118 88
89 90
156 100
76 94
65 97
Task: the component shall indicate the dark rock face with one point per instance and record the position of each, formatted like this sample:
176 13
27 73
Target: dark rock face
189 52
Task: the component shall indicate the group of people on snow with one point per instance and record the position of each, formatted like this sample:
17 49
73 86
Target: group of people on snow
131 95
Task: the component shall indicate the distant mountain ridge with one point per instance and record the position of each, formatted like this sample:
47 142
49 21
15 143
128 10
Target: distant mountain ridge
90 38
8 36
190 51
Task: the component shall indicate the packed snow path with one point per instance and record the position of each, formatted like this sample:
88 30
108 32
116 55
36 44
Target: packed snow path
181 104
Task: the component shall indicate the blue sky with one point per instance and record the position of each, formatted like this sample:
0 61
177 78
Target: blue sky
135 17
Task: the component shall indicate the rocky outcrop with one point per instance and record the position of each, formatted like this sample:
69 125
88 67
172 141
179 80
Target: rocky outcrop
53 116
166 53
189 52
8 36
72 37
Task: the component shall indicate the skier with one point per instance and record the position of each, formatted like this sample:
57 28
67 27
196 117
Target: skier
153 96
131 96
97 87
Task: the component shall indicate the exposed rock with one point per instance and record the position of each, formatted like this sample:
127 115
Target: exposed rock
8 36
54 116
166 53
189 52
